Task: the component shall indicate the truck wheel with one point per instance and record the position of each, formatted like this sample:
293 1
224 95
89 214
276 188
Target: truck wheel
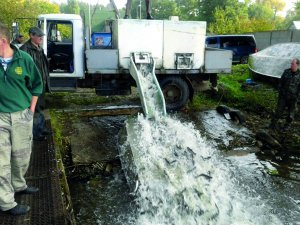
176 92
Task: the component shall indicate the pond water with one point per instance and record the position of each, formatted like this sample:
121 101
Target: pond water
205 172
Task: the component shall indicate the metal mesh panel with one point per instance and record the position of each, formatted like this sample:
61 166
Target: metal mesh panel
47 204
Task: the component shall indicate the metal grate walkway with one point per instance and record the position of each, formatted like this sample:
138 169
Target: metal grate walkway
47 206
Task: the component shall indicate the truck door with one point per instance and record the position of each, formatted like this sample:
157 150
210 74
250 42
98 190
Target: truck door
60 47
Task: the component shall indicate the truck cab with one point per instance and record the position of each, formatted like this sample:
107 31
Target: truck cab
64 46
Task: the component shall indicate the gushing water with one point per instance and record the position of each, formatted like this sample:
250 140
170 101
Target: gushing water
181 180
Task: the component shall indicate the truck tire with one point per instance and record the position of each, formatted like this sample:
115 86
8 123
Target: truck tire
176 92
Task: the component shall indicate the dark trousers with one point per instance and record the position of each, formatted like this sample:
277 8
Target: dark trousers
128 7
283 103
39 117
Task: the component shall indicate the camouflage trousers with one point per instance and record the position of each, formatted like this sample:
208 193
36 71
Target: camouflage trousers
282 104
15 151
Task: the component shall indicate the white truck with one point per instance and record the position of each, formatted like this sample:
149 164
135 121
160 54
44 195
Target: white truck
175 49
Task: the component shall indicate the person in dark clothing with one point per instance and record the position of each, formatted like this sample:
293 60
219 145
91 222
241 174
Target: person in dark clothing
148 9
34 49
289 88
18 40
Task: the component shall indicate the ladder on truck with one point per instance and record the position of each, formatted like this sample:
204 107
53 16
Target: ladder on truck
142 69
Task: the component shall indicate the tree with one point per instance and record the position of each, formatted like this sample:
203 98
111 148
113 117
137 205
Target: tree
164 9
161 9
188 9
260 12
292 15
71 7
275 5
207 9
233 18
25 12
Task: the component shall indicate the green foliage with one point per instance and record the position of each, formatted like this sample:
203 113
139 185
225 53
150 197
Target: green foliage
261 97
227 22
246 17
222 16
188 9
67 99
202 101
234 93
207 9
56 124
276 5
99 15
65 31
231 83
292 15
230 19
273 172
261 25
73 7
163 9
260 12
24 12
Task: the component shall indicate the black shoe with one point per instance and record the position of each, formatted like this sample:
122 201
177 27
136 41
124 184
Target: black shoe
149 17
273 126
28 190
40 138
18 210
126 17
47 132
286 126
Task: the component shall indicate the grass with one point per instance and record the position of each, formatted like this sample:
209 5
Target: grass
202 101
74 99
234 92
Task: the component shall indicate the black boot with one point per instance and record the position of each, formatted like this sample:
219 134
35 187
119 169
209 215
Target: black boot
149 17
19 210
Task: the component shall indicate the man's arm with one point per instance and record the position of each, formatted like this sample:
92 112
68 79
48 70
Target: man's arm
33 103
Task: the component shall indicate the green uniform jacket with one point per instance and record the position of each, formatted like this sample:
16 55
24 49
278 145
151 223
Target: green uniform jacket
19 82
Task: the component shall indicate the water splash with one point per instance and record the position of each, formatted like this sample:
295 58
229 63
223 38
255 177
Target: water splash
180 179
183 180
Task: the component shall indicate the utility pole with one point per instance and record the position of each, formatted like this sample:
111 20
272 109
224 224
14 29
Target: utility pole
140 5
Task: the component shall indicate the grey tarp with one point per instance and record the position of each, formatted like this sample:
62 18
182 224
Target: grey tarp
273 60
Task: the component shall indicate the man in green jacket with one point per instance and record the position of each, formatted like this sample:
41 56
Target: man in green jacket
20 86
